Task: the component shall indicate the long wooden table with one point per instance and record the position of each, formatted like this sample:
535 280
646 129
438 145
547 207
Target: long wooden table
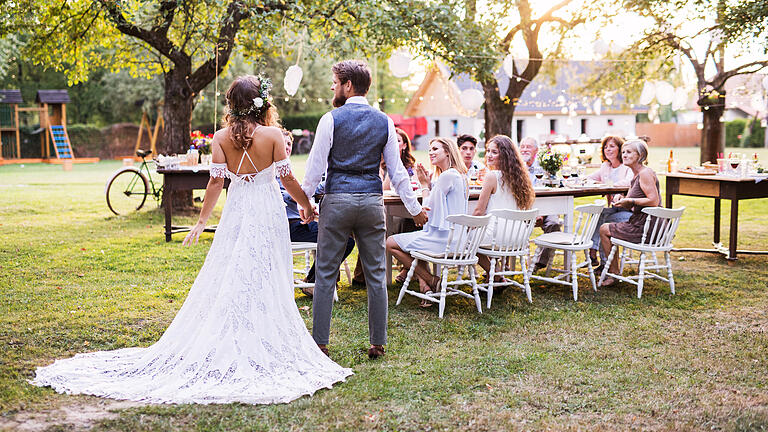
550 201
718 187
182 179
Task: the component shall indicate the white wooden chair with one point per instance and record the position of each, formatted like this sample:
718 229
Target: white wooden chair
461 251
658 232
570 243
510 241
309 250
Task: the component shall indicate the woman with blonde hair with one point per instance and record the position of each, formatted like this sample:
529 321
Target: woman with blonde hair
445 193
239 336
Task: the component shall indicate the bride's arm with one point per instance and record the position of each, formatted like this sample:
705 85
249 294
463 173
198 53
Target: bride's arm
212 193
291 185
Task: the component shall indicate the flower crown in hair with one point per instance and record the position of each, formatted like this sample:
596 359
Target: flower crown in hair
260 103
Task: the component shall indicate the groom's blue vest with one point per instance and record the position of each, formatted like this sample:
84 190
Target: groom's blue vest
359 135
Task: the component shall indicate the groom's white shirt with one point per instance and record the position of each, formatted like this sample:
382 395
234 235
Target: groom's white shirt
317 161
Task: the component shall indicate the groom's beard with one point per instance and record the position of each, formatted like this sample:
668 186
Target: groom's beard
339 101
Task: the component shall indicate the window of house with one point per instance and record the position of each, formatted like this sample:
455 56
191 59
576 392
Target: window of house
519 130
552 126
455 127
584 126
437 127
610 122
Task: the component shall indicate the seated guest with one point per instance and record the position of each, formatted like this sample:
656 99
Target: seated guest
406 157
643 192
468 148
529 149
303 232
446 195
612 171
507 186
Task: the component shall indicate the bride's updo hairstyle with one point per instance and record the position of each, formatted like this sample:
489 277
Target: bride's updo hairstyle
248 103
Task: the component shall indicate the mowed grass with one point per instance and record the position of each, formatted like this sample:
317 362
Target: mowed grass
75 278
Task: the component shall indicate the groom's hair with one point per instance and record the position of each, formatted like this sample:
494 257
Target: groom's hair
356 71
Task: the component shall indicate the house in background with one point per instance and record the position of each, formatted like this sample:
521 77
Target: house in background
545 111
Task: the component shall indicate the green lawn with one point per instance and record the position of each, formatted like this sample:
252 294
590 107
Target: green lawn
76 278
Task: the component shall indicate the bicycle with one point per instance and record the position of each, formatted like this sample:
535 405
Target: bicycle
128 187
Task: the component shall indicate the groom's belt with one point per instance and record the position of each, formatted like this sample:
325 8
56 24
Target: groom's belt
374 171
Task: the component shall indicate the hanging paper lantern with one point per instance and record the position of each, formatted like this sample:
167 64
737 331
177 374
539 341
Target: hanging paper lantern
507 65
400 64
292 79
680 100
597 106
564 110
472 99
561 100
765 83
664 92
649 91
600 47
521 63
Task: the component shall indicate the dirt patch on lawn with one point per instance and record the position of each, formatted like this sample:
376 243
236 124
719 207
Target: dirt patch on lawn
78 416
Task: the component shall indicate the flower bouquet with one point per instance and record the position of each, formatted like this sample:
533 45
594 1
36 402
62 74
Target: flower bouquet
200 142
550 162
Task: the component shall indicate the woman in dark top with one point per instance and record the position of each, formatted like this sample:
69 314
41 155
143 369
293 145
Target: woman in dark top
643 192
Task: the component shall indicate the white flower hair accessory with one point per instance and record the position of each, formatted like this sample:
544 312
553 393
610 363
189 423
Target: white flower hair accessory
260 102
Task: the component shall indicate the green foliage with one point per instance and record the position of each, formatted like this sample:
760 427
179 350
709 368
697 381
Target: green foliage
747 18
303 121
744 133
86 139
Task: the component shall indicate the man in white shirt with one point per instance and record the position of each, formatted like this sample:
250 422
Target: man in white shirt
349 143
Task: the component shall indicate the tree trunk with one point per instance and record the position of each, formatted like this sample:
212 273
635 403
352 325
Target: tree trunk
713 134
177 114
498 115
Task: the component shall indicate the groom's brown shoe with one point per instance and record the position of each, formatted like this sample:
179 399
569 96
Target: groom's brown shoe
375 351
324 349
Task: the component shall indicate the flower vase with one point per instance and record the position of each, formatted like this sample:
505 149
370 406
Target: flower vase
551 179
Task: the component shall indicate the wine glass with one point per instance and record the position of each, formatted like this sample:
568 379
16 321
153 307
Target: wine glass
539 173
566 172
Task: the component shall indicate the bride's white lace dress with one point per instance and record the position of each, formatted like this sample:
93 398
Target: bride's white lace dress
238 337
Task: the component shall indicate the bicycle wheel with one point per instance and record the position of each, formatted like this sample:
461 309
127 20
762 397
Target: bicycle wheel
127 191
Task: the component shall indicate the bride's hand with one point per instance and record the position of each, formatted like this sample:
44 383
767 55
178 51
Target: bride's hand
194 234
307 215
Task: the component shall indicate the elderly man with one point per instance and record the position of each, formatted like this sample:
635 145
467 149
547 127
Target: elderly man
529 149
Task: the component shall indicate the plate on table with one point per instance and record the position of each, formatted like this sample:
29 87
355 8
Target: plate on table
698 171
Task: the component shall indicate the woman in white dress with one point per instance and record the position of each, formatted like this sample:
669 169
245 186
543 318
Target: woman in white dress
239 336
446 195
507 186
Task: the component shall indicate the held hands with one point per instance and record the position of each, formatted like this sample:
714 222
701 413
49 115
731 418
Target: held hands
424 176
307 215
194 234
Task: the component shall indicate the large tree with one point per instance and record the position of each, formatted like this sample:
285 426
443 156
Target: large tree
475 42
694 31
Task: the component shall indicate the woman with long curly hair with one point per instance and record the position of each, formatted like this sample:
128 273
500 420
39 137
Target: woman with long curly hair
406 157
239 336
507 186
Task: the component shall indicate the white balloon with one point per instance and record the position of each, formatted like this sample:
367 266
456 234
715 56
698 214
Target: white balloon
765 82
400 64
600 47
649 91
472 99
597 106
292 79
757 102
561 100
664 92
680 100
507 65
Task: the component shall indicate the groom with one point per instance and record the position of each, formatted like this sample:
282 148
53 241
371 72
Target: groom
350 142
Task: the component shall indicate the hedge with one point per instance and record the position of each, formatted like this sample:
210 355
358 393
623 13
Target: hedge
302 121
744 133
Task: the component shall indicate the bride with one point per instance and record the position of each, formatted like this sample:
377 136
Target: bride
238 337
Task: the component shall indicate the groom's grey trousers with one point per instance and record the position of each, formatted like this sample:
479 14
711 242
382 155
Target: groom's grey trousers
342 214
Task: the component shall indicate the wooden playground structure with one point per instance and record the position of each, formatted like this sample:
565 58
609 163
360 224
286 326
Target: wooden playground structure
55 146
